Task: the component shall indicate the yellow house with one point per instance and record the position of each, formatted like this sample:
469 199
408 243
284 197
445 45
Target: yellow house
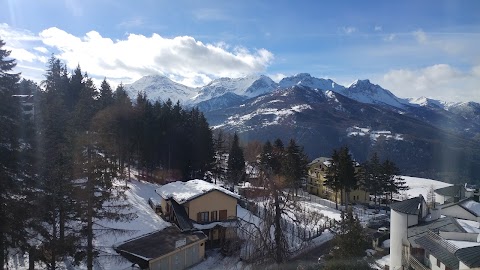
200 205
316 183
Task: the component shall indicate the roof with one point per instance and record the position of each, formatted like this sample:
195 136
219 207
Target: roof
319 160
183 220
472 206
154 245
469 256
183 192
445 224
451 191
442 250
410 206
468 204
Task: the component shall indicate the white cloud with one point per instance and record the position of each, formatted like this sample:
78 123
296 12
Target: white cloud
420 36
378 28
188 60
41 49
390 37
439 81
349 30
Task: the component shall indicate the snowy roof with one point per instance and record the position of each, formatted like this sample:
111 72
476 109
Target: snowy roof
183 192
469 226
472 206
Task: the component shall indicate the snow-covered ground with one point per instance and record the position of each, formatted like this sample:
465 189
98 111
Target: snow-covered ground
146 221
419 186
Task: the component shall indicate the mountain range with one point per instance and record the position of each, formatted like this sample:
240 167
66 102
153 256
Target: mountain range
425 137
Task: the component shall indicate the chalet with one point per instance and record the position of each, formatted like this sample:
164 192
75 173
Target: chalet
317 170
200 205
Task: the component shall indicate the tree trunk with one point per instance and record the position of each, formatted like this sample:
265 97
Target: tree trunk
53 258
279 252
90 194
341 197
2 251
336 200
31 258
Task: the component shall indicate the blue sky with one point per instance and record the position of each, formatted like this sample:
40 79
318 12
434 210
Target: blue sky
413 48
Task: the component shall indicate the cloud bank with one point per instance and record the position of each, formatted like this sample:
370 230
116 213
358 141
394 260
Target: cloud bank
182 58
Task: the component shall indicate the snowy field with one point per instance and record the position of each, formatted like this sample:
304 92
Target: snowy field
419 186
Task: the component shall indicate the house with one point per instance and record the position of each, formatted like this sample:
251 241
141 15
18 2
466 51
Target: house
455 193
317 170
200 205
166 249
428 238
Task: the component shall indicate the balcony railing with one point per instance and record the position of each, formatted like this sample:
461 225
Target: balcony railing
416 264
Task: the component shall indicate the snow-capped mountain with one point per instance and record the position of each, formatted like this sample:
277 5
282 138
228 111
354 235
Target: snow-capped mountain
159 87
307 80
366 92
468 110
427 102
250 86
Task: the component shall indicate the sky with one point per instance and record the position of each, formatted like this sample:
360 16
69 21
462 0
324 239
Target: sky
412 48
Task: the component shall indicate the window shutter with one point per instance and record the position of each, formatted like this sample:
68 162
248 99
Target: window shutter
223 214
199 217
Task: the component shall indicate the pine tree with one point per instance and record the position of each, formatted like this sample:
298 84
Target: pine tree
13 227
391 180
106 95
236 162
332 176
373 177
54 171
294 165
98 199
350 245
347 175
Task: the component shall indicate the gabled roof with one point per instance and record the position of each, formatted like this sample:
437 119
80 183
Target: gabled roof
470 256
154 245
410 206
445 224
439 249
183 192
452 191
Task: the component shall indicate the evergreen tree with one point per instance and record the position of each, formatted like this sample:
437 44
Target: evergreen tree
372 181
294 165
392 182
13 217
98 199
347 175
236 162
106 95
54 171
350 245
332 176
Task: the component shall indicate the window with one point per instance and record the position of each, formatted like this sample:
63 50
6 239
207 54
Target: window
438 262
202 217
223 214
214 216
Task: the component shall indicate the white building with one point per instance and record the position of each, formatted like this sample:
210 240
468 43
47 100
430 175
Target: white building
421 239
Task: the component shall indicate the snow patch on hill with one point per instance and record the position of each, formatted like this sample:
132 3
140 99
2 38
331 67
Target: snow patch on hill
373 134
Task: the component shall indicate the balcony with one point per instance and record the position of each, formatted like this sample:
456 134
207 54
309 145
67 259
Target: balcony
416 264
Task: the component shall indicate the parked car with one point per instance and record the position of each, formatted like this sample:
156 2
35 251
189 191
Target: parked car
383 230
